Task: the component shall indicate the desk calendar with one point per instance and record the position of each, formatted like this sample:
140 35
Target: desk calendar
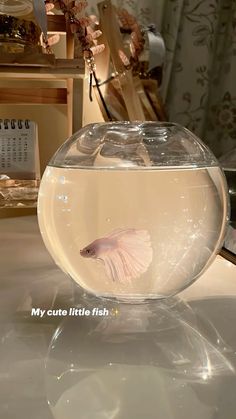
19 157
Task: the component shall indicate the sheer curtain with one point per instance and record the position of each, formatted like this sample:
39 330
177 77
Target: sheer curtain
199 86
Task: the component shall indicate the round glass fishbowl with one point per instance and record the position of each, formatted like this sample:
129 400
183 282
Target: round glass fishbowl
133 211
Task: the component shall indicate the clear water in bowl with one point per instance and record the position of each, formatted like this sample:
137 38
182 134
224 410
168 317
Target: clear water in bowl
171 219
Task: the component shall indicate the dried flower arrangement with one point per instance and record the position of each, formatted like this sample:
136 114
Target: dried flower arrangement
80 25
128 24
86 30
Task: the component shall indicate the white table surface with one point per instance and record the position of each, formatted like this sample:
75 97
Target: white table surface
162 376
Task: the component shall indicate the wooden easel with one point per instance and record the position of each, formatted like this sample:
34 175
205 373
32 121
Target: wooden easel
111 31
129 96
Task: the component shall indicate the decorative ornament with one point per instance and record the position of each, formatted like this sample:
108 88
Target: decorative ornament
82 26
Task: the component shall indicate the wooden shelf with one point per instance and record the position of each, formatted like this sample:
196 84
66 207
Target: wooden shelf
29 58
39 96
39 66
22 72
56 23
33 64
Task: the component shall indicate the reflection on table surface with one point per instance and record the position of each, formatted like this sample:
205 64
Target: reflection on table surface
157 360
173 359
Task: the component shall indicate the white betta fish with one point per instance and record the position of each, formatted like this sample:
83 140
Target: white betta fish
126 253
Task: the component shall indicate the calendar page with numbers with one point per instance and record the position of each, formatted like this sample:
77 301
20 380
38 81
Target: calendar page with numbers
19 156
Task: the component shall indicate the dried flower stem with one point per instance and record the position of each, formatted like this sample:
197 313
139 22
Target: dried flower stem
80 25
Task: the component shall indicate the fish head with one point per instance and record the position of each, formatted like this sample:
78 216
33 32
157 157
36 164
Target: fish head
88 252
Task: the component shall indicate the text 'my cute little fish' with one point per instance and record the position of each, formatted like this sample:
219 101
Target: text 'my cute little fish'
126 253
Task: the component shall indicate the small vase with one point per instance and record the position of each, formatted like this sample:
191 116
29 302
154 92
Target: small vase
133 211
